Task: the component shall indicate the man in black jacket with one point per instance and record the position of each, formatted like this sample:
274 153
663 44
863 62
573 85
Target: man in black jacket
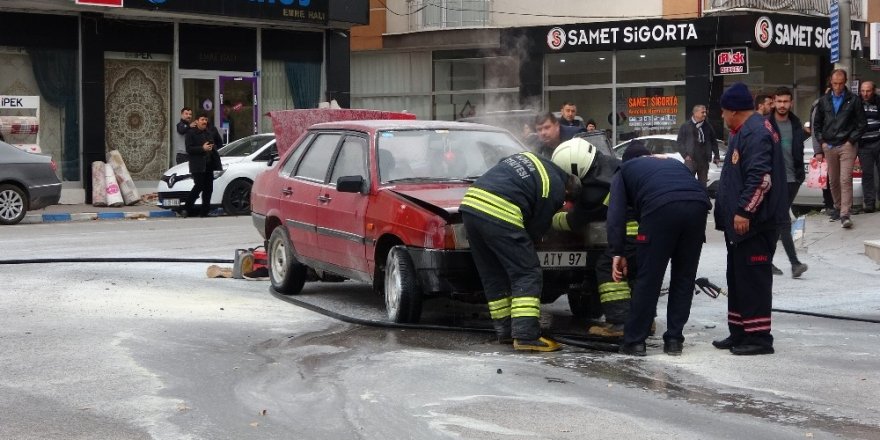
504 212
792 137
869 150
840 122
697 144
202 143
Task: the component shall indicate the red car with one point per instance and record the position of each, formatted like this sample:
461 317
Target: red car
377 201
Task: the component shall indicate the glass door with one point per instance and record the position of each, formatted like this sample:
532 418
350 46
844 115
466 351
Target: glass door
199 95
238 107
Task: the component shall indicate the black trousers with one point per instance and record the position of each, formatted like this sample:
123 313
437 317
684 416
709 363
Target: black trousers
785 230
674 233
869 158
510 273
750 288
202 183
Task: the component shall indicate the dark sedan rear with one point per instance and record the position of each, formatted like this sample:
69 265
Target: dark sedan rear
27 181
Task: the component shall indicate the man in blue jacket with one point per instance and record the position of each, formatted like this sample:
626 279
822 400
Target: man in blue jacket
671 228
749 207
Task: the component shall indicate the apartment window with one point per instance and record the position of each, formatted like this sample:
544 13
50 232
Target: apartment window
448 13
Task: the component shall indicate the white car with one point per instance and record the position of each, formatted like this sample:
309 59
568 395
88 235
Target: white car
242 160
667 144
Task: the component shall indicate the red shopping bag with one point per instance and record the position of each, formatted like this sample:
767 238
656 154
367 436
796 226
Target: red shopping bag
817 174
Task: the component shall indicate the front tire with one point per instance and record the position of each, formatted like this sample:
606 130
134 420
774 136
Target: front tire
13 204
403 296
286 273
237 197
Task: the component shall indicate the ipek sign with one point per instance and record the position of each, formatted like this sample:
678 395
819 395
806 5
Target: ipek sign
310 11
730 61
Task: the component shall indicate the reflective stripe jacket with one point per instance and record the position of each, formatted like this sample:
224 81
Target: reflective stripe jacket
522 191
753 181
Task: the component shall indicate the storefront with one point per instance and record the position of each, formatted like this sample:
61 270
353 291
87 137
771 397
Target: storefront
116 78
636 78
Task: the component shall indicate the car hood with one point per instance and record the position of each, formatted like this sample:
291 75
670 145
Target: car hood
442 199
184 167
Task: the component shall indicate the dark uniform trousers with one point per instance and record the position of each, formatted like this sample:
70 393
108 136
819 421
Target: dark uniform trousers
615 296
202 183
511 276
675 233
750 287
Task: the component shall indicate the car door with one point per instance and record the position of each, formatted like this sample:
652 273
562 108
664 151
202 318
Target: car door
341 226
300 202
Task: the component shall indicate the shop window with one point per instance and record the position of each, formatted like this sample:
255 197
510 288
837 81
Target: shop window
45 73
451 107
644 111
770 70
392 82
592 104
654 65
585 68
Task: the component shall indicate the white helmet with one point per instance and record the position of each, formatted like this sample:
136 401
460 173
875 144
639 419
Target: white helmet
575 156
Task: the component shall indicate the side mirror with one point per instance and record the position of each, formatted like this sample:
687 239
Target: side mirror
350 184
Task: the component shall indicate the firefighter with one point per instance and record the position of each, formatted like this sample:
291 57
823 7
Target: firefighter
592 206
504 211
749 207
671 207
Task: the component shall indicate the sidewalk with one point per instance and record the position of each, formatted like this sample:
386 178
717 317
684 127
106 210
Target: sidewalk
836 245
146 208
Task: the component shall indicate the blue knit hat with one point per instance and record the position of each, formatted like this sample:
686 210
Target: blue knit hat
737 97
635 149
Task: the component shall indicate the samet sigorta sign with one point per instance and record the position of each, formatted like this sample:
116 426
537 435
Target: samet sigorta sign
617 35
794 34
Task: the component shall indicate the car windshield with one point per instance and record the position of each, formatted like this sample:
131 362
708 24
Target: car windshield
245 146
441 155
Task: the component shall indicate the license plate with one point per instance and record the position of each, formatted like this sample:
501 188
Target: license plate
171 202
562 259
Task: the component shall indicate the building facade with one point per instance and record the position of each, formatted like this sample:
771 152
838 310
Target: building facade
115 76
635 67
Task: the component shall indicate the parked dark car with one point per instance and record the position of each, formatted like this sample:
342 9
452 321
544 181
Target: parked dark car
27 182
377 201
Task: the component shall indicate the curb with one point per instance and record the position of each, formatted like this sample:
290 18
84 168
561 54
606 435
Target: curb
59 217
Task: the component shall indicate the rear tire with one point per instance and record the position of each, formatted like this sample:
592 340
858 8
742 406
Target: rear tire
237 197
13 204
403 296
286 273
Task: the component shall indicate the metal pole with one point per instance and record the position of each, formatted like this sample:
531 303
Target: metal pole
845 62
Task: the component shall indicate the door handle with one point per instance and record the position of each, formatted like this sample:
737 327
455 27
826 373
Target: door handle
325 198
286 191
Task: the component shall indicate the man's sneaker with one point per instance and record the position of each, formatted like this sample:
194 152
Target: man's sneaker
540 344
833 215
607 330
868 210
776 270
845 222
798 269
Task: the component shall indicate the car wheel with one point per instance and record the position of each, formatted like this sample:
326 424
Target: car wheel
287 275
584 301
13 204
237 197
403 296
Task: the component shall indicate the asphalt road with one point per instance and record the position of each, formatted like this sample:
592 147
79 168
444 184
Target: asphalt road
158 351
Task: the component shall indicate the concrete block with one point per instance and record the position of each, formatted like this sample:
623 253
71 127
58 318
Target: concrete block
872 249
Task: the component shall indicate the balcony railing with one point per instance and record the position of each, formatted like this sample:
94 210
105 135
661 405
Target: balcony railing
442 14
806 7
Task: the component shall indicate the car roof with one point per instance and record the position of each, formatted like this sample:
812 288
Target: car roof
402 124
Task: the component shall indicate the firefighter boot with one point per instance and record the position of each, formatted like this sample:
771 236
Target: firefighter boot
607 330
540 344
502 330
